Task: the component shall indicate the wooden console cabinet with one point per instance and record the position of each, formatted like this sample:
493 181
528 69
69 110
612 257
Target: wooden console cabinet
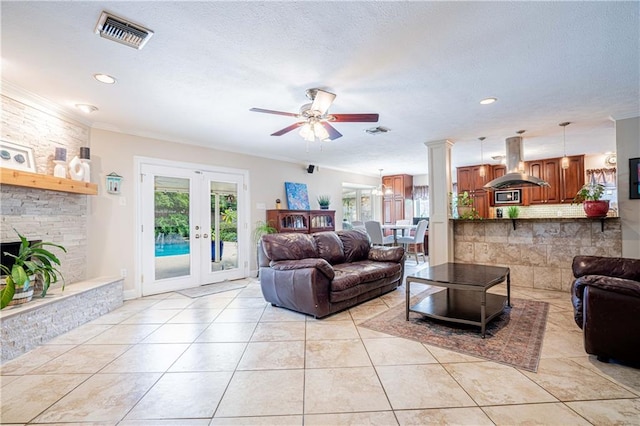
303 221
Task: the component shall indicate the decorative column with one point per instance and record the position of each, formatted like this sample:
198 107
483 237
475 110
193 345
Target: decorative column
440 227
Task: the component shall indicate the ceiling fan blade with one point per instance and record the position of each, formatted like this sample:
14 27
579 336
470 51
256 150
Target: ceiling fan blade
287 129
333 133
270 111
322 101
355 118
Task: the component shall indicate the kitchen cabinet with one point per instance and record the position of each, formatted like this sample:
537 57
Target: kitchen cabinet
571 179
548 170
393 205
302 221
469 180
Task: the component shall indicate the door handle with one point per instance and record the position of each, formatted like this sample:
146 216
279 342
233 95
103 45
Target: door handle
197 235
205 235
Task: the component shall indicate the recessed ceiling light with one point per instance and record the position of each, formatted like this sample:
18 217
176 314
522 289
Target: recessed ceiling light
86 108
488 101
104 78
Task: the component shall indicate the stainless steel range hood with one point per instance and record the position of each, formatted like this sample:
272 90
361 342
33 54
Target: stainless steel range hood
515 176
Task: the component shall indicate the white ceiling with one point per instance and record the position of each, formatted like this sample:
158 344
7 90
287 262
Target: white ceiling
423 66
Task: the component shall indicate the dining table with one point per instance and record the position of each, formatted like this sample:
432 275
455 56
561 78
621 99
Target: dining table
396 228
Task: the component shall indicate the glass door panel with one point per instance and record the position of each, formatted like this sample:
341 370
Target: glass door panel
171 227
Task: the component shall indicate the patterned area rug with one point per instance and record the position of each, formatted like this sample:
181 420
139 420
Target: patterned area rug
205 290
513 338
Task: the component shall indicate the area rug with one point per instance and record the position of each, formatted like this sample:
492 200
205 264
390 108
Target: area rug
513 338
205 290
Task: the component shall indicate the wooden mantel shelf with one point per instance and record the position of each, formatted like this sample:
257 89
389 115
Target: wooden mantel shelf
35 180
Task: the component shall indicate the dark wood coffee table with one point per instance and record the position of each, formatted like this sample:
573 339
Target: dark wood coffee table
464 299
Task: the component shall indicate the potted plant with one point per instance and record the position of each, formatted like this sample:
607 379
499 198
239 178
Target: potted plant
464 206
32 260
590 197
324 201
513 212
262 228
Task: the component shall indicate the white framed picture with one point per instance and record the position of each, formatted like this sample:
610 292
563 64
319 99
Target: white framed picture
18 157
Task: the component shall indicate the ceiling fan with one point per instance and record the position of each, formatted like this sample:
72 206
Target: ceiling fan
315 118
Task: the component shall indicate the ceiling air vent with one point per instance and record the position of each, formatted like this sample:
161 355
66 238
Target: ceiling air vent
377 130
120 30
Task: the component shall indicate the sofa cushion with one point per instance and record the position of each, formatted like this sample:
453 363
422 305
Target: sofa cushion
329 246
289 246
344 281
356 245
369 270
386 254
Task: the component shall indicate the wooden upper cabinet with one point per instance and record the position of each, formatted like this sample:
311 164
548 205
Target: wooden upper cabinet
572 179
548 170
499 170
393 205
469 180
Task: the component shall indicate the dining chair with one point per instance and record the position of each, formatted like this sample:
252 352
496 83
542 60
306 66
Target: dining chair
415 244
374 230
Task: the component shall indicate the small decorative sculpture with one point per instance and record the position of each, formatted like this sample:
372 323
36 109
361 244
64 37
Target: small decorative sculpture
60 170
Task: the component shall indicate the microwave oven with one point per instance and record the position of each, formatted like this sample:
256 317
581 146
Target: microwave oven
512 196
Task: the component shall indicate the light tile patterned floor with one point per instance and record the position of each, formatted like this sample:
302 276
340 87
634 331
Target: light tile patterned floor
232 359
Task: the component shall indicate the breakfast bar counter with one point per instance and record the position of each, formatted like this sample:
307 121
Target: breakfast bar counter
539 251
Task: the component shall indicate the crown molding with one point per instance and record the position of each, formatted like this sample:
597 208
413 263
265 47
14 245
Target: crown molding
40 103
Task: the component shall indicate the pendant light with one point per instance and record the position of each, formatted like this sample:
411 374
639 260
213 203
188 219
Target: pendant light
564 163
381 189
482 172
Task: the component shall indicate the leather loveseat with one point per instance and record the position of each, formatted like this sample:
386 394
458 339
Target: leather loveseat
606 301
323 273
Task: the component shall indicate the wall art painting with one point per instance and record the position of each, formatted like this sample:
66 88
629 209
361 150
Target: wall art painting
297 196
14 156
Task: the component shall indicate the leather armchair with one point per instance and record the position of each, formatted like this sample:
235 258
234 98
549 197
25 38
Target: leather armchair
606 301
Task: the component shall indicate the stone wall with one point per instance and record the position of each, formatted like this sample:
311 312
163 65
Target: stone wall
27 326
53 216
539 252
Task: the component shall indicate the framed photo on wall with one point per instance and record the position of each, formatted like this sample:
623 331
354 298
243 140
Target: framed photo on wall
18 157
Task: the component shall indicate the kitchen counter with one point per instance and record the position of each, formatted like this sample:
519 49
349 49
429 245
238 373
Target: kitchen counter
539 251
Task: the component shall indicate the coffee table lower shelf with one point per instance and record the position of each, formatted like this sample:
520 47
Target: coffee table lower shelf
461 306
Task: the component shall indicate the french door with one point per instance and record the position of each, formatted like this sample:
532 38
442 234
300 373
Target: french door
192 227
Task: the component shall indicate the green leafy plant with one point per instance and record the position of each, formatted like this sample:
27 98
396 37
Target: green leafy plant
31 260
262 228
324 200
513 212
589 192
464 199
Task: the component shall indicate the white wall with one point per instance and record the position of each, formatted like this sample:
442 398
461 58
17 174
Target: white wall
628 146
112 217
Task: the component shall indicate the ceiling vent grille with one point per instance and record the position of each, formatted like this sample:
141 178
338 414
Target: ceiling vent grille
120 30
377 130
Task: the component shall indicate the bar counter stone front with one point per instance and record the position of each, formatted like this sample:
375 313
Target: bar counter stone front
538 251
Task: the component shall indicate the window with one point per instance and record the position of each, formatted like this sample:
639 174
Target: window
357 204
421 201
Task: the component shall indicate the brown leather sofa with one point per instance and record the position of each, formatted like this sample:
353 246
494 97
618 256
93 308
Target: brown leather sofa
323 273
606 301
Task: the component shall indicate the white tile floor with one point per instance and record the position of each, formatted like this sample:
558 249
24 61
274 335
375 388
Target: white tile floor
232 359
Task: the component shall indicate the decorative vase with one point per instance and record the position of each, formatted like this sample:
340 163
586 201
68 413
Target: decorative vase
596 208
464 210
